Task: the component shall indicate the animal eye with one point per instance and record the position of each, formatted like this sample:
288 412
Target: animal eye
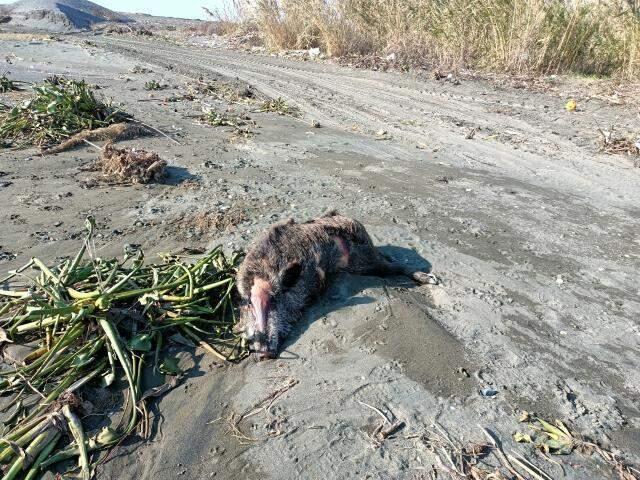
290 274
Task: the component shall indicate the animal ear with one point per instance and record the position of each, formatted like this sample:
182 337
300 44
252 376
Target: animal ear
289 275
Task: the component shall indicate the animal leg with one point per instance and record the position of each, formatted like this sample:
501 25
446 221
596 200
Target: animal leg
367 260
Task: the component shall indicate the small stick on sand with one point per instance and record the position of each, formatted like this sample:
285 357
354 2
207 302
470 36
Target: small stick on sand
528 466
501 454
264 404
156 130
378 411
391 429
92 144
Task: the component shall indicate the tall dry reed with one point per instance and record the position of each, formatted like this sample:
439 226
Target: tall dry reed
587 37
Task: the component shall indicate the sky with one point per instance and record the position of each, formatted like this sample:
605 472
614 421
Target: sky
169 8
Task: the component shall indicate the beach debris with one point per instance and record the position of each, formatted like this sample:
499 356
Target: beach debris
315 124
571 105
222 90
613 144
386 428
140 69
153 85
279 106
488 392
89 322
219 119
459 461
59 109
556 439
210 221
130 165
125 29
7 85
235 420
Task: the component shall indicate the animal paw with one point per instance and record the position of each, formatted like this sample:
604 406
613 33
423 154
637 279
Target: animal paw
426 278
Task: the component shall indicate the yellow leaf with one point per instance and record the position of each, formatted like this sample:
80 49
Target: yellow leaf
522 437
550 430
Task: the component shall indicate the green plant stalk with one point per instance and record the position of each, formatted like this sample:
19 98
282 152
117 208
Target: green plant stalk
54 368
42 323
33 450
26 426
47 317
75 426
46 271
103 301
65 366
82 381
68 337
61 387
24 439
117 286
34 471
15 272
90 225
114 340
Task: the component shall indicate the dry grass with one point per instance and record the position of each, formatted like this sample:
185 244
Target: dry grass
224 19
516 36
130 166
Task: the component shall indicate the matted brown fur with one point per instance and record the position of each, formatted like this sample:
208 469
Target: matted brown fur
287 241
117 131
128 165
288 266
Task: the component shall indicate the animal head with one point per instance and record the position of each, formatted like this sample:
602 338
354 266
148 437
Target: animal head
268 308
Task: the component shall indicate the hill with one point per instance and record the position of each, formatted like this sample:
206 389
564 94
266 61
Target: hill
59 14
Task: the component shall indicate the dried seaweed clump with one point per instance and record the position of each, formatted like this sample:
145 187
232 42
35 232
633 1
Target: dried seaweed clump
613 144
128 165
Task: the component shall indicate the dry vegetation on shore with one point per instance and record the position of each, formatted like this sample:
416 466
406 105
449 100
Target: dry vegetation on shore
589 37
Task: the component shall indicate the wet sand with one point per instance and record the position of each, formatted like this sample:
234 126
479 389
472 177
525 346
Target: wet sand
533 232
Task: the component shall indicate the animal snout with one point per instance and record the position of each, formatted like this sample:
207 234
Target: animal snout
260 355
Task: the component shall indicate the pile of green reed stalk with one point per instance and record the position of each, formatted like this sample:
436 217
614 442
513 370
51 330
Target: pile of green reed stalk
153 85
59 109
91 322
7 85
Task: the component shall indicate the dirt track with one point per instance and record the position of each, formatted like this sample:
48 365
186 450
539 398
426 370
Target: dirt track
532 231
